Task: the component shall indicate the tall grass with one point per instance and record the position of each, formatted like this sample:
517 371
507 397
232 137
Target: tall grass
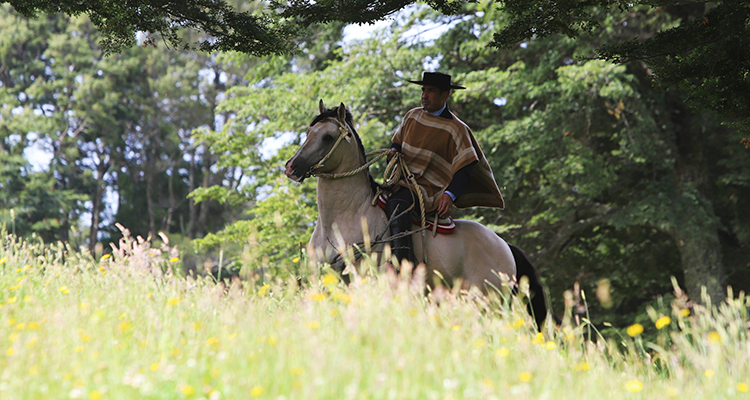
126 327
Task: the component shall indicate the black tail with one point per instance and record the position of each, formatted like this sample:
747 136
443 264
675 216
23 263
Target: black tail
537 304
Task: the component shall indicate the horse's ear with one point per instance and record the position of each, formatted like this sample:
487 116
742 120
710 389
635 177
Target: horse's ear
321 107
342 112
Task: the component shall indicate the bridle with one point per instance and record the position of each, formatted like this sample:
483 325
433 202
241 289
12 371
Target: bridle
344 134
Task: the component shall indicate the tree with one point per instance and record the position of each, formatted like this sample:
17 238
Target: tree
705 52
226 29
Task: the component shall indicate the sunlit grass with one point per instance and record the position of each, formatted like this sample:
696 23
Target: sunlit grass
124 327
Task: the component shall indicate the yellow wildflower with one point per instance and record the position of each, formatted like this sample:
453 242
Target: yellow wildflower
95 395
174 259
187 390
518 323
582 366
685 312
173 301
313 325
662 322
524 377
295 260
714 337
330 279
256 391
635 330
318 296
550 345
538 339
709 373
154 366
263 290
10 351
634 386
502 352
2 260
64 290
743 387
106 256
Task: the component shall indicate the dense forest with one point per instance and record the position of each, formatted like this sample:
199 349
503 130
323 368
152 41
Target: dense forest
614 182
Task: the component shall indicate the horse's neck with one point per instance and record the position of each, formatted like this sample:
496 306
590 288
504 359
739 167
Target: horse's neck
343 201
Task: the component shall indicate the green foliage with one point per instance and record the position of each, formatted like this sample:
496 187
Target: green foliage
226 28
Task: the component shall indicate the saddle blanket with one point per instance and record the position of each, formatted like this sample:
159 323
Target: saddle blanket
445 226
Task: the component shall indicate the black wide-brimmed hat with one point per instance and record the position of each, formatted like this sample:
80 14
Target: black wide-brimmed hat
437 79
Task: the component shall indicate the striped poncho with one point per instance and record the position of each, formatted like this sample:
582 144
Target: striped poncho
434 148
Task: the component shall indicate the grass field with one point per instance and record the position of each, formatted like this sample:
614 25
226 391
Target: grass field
74 327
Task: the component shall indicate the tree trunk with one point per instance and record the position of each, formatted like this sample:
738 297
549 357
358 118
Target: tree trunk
193 212
702 263
96 209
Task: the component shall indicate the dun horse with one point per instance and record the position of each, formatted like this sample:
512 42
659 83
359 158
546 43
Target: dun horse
333 152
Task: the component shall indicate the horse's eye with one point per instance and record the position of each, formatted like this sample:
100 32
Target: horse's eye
327 138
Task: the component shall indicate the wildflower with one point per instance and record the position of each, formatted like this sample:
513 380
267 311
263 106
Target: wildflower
502 352
296 371
125 325
95 395
456 327
524 377
538 339
330 279
32 326
488 383
104 257
256 391
173 301
12 288
295 260
10 351
174 259
709 373
32 342
2 260
272 341
582 366
12 300
318 296
85 337
550 345
212 341
743 387
64 290
232 336
662 322
714 337
187 390
684 312
313 325
78 349
154 366
263 290
635 330
634 386
518 323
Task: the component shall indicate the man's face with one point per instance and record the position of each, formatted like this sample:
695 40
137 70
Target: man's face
432 99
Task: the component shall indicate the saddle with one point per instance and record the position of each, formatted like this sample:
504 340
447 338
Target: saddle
446 226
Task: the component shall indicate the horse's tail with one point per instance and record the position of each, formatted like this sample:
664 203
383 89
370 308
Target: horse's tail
537 303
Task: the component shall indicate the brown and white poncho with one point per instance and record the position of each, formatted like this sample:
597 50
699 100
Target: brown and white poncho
434 148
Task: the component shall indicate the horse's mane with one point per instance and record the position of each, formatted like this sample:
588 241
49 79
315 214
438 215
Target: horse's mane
333 113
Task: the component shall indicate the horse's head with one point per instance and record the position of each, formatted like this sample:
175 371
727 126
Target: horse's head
330 141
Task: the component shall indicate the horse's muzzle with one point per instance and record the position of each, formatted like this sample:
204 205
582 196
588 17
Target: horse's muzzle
291 172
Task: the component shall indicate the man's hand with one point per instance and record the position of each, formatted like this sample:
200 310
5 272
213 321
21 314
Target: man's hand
445 206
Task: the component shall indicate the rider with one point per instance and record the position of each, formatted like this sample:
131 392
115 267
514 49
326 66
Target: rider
445 159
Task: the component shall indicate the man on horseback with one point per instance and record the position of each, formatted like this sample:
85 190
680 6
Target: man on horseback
447 165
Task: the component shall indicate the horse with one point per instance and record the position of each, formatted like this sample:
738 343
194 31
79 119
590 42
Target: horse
473 254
